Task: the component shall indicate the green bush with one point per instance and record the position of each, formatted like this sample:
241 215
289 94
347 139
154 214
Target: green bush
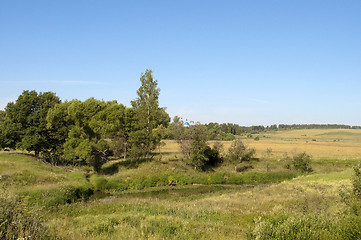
302 162
238 152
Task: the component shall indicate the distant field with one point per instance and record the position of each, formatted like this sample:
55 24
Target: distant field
318 143
328 143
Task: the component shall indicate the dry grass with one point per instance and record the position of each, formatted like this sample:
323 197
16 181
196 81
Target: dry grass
327 143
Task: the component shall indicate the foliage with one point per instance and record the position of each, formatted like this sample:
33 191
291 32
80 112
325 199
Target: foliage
24 124
90 129
184 136
200 154
238 152
149 117
302 162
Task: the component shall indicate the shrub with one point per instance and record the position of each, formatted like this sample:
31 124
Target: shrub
203 156
238 152
301 162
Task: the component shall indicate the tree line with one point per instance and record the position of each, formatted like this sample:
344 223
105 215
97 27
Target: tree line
228 131
90 132
84 132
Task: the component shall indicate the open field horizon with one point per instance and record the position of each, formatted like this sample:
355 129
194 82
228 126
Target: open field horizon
320 143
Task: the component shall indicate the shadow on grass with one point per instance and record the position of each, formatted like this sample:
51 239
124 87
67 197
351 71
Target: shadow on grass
129 164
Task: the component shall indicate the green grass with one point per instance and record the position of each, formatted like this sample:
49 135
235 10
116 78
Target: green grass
163 198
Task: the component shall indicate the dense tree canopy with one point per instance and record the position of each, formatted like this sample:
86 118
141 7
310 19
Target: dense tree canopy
24 124
84 132
89 128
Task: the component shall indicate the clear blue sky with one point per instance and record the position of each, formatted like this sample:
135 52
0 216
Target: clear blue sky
247 62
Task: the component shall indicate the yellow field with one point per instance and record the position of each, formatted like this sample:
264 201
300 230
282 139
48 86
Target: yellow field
327 143
337 143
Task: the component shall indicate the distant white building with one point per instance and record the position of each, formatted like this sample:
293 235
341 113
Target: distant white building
184 123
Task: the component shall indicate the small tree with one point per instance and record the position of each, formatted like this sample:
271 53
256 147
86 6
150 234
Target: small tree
193 142
149 116
302 162
185 137
239 153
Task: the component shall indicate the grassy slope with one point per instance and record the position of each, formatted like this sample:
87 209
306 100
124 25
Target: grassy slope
190 211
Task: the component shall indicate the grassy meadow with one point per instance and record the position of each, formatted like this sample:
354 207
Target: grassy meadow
164 198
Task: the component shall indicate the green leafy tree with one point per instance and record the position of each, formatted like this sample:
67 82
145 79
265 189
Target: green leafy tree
302 162
149 116
84 144
199 147
60 123
91 131
24 124
193 143
184 137
239 153
115 122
